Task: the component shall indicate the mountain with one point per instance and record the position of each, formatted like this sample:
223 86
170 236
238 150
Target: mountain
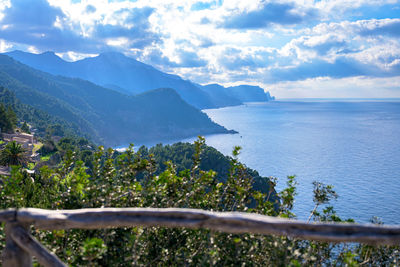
40 120
112 117
236 95
129 76
221 95
249 93
116 71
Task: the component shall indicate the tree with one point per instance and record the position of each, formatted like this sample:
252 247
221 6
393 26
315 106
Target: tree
13 154
25 128
6 124
12 116
129 180
322 195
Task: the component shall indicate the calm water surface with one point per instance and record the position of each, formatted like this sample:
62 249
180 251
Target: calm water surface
352 145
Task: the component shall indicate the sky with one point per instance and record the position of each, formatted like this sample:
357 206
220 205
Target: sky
294 49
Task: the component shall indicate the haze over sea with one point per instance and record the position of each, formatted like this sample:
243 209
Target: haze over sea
351 144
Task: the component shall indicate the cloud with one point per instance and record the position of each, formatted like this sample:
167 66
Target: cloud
34 22
390 27
90 9
201 5
205 20
351 87
268 14
33 14
330 41
155 57
324 44
135 28
342 67
254 41
190 59
236 58
205 42
182 59
37 23
4 46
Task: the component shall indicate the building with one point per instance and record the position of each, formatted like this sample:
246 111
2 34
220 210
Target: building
20 138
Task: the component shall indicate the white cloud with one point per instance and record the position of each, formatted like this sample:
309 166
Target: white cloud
192 42
4 46
72 56
354 87
329 41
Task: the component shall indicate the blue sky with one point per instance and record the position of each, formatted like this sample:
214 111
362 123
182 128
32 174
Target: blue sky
341 48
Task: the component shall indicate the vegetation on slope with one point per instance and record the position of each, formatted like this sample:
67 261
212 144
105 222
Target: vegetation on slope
130 180
107 116
8 119
114 70
39 120
129 76
181 154
75 176
13 154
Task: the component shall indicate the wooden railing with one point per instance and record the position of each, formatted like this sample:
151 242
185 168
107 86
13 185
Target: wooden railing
21 246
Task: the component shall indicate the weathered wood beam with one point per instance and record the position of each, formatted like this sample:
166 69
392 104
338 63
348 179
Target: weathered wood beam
229 222
8 215
13 255
33 247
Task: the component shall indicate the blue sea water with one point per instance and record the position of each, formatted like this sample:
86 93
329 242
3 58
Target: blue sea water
353 145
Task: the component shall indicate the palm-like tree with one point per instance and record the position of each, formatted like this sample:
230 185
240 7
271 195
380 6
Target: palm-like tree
13 154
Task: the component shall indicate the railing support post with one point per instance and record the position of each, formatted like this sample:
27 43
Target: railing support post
13 255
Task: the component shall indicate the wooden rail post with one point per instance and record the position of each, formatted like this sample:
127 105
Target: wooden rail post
25 241
14 255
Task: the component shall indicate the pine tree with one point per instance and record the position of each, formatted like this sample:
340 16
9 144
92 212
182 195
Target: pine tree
25 128
6 124
12 116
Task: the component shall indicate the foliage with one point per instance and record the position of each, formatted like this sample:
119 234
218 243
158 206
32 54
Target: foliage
25 128
322 195
92 249
7 119
130 180
44 158
13 154
40 120
104 115
182 155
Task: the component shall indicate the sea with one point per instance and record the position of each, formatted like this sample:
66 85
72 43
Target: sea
351 144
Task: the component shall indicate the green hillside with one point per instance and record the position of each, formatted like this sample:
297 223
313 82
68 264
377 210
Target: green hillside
110 117
39 120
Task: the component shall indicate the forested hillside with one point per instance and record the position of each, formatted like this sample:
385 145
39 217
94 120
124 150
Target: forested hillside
106 115
130 179
38 119
182 154
129 76
236 95
8 119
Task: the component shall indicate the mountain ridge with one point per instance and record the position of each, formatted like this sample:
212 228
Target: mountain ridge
112 117
128 75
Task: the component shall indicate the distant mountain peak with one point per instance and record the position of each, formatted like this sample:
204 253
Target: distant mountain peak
48 57
130 76
113 55
156 115
115 58
49 53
